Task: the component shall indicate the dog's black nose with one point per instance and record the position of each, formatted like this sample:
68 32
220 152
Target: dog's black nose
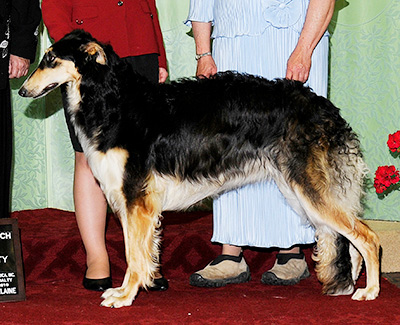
23 92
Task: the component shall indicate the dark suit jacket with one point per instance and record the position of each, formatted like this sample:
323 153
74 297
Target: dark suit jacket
19 20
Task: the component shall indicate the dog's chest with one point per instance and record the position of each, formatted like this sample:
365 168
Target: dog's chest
108 168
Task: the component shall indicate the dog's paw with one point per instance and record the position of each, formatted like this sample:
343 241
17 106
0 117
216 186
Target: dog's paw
115 292
366 293
115 298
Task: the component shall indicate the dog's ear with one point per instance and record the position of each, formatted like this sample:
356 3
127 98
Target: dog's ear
95 50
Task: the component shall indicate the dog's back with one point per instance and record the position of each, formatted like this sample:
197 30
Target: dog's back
197 128
229 118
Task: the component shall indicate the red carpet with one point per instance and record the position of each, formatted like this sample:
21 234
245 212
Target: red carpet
54 266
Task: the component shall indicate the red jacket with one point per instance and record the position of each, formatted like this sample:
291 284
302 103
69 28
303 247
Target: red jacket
130 26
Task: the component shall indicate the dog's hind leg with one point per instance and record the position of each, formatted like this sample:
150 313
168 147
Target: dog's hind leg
330 193
356 262
333 253
140 223
367 243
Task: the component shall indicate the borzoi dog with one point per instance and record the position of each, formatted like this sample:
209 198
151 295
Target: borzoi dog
165 147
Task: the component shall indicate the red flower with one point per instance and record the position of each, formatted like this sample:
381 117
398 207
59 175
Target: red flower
385 176
394 142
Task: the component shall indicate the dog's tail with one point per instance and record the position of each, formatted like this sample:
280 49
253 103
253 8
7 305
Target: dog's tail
334 263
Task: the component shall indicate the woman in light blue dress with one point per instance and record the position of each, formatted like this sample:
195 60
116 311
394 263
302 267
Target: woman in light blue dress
273 39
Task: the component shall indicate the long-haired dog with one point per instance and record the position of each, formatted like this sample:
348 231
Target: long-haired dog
165 147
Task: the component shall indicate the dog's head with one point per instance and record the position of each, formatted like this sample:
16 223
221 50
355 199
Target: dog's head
64 62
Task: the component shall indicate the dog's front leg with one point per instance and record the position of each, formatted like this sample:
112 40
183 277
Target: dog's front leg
140 227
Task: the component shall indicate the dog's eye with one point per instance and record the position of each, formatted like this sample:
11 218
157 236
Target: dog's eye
50 58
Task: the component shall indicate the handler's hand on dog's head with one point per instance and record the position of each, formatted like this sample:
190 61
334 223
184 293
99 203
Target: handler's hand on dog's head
18 67
206 67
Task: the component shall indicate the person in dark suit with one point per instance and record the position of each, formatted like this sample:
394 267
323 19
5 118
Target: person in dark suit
132 28
19 21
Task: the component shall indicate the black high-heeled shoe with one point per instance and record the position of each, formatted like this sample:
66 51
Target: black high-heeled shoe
160 284
97 284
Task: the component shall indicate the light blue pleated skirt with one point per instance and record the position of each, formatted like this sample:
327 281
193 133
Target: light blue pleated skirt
257 214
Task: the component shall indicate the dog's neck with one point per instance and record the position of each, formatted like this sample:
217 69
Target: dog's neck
98 105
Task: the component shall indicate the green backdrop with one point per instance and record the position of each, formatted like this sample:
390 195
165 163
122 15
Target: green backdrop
364 82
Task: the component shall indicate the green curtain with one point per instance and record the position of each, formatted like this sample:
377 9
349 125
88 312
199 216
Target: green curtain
364 82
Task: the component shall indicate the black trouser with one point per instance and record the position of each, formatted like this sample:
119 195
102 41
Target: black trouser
146 65
5 151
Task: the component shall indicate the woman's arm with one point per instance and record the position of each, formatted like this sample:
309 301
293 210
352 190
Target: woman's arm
162 59
202 37
319 15
25 19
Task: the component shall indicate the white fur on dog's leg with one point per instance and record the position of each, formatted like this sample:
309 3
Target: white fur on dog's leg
356 262
366 293
115 298
116 292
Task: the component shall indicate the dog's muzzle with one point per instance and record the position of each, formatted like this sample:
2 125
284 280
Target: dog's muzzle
23 92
